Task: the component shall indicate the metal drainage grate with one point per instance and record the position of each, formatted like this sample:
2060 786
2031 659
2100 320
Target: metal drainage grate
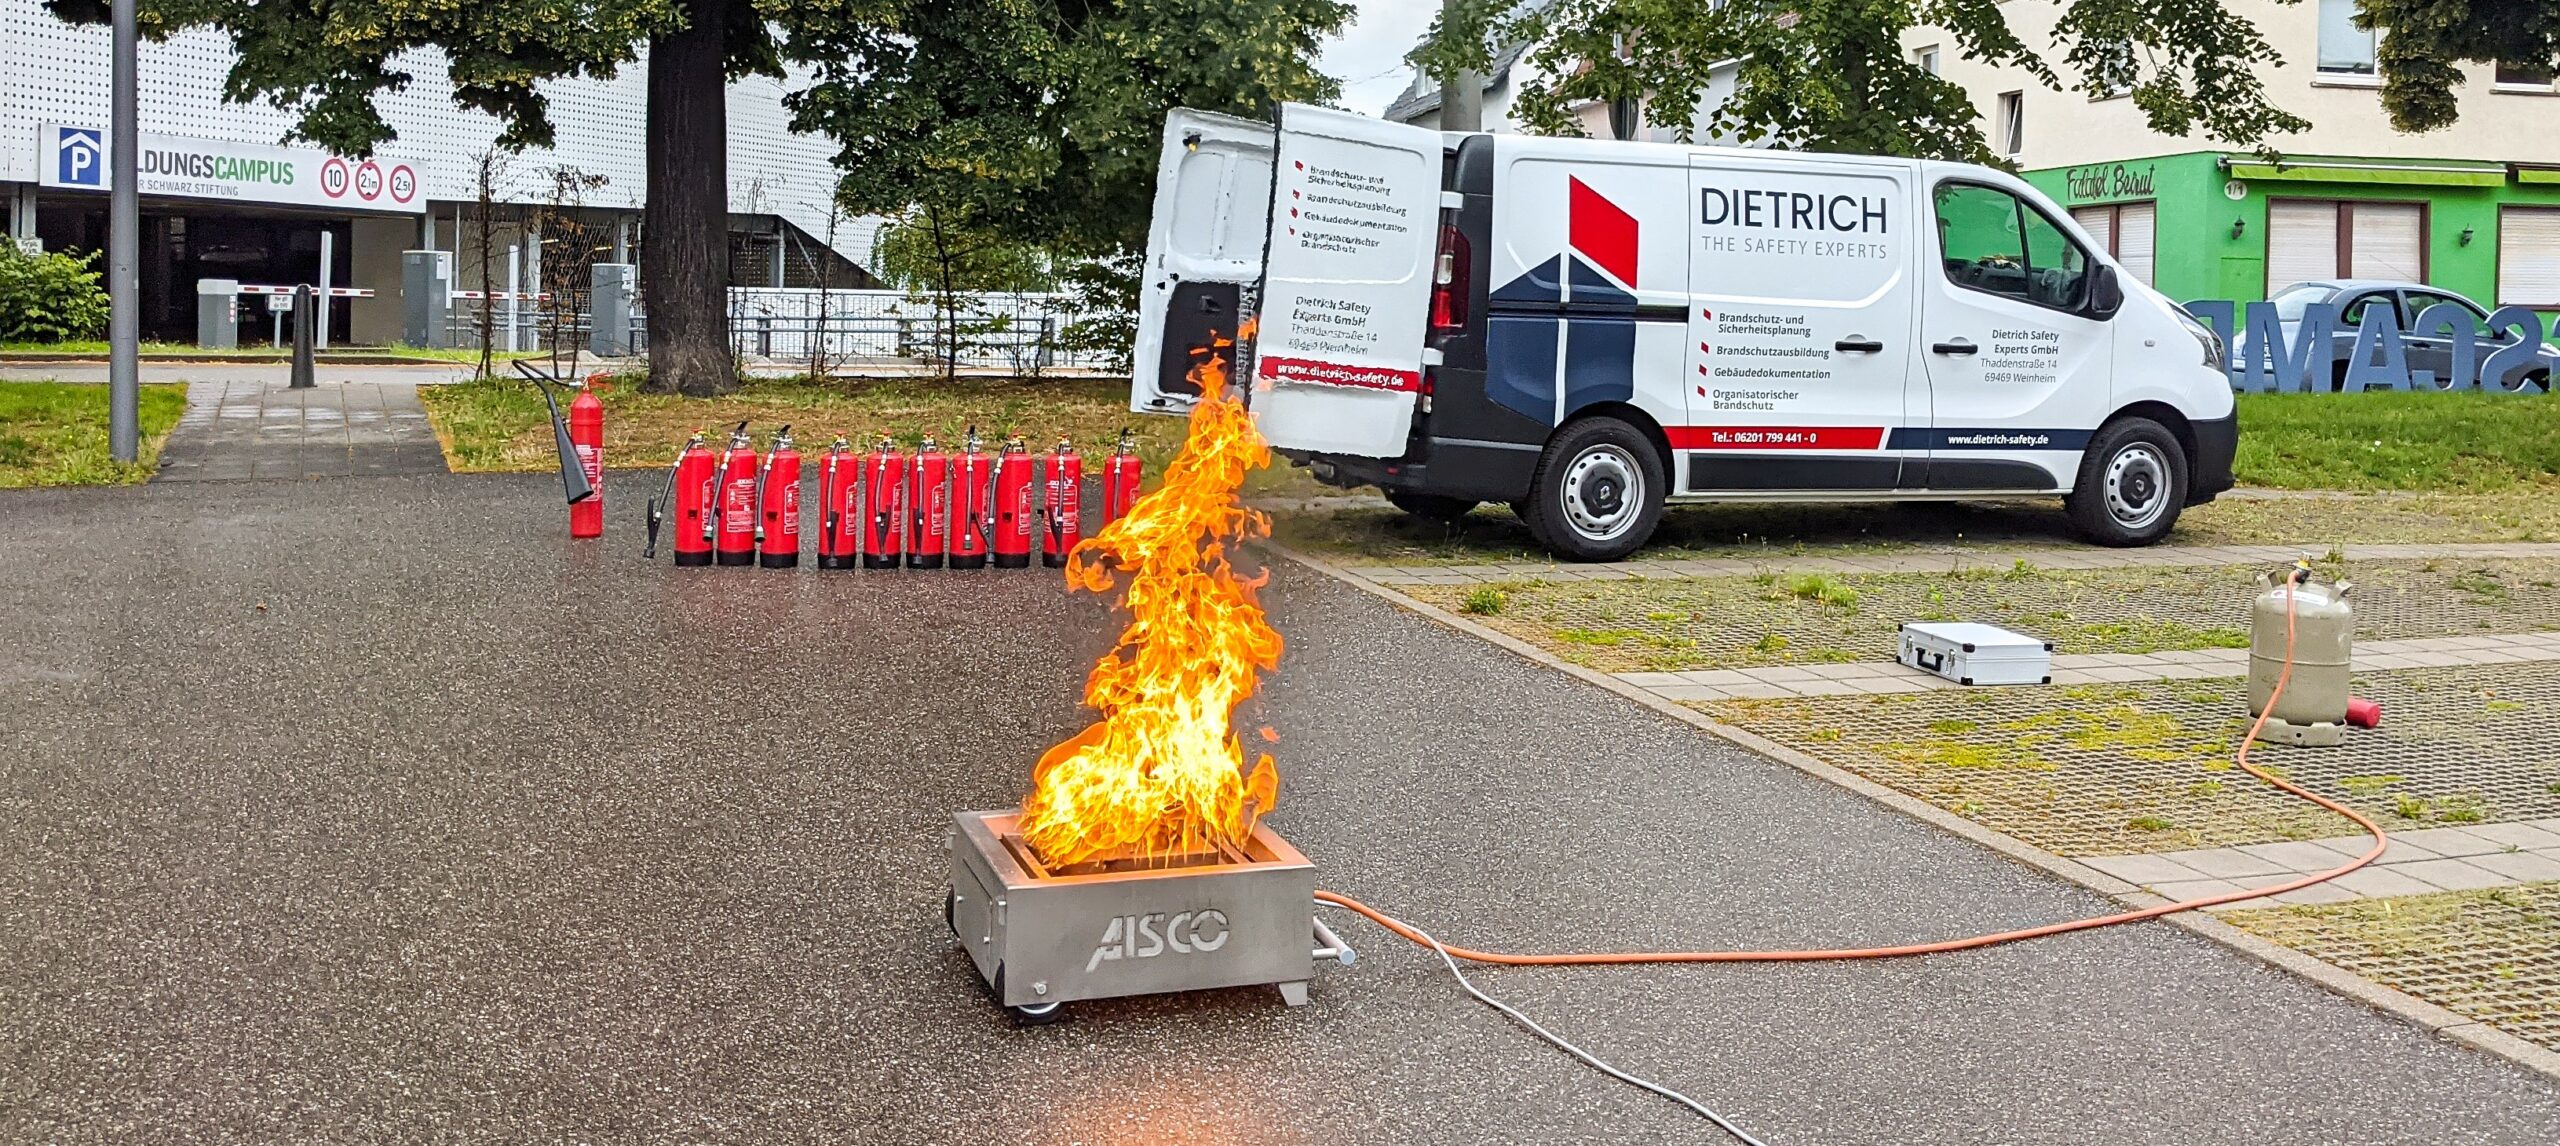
2114 769
2493 955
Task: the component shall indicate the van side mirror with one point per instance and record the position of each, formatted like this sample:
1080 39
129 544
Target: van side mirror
2106 295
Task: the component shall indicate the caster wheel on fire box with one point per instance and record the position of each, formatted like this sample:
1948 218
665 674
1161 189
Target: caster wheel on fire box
1036 1015
1441 508
1598 491
2133 482
951 911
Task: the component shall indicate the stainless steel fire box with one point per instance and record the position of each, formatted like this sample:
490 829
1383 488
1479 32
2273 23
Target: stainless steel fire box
1041 937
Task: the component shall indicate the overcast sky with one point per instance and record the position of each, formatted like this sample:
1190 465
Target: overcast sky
1369 55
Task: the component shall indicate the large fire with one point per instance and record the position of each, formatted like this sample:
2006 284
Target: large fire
1162 775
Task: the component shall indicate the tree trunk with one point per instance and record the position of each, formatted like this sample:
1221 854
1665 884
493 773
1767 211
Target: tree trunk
684 266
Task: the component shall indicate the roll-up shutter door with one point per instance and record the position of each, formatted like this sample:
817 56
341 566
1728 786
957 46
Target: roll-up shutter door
2388 241
2529 256
2100 222
2134 227
2302 243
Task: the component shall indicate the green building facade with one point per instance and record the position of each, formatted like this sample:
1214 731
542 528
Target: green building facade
2236 226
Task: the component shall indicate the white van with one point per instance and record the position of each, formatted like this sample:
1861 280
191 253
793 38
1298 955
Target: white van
1587 330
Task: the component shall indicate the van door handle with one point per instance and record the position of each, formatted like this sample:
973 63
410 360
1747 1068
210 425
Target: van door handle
1958 346
1856 345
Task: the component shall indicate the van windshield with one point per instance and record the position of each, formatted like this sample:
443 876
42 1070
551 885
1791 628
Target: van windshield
2292 299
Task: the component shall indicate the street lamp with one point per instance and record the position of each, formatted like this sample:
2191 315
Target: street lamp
124 244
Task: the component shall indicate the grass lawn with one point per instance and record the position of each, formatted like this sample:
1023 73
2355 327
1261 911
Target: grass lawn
2469 442
55 433
500 424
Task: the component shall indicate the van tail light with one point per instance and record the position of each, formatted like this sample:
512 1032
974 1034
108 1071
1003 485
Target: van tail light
1450 272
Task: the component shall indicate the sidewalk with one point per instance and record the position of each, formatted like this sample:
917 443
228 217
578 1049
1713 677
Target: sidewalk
1940 561
250 430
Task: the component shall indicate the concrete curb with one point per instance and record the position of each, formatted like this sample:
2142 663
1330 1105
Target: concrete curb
2410 1008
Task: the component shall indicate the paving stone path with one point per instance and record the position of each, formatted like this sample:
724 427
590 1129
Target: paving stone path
1936 561
2464 858
263 430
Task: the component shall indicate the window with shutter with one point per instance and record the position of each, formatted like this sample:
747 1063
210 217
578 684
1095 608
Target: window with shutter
2529 256
2134 229
2387 241
2100 222
2302 243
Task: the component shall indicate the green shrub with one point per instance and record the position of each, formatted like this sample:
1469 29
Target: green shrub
50 297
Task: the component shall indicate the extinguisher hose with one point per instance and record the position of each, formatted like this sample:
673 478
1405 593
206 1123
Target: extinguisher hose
659 505
1416 935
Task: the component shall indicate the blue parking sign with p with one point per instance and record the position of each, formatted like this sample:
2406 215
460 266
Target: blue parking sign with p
80 157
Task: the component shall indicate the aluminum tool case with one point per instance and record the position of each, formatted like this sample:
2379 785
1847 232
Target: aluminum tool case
1969 653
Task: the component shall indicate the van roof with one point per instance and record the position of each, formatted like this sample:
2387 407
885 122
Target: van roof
1508 140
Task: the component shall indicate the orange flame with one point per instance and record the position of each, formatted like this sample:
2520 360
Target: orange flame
1163 773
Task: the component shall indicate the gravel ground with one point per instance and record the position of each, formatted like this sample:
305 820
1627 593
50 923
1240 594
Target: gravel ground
374 810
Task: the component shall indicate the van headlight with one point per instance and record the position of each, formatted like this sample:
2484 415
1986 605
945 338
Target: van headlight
2205 338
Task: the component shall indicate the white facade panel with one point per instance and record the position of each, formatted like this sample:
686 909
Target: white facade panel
51 72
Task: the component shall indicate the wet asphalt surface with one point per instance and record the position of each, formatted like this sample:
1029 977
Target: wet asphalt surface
374 810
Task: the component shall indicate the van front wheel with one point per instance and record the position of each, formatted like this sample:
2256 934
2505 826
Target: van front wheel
2133 482
1598 492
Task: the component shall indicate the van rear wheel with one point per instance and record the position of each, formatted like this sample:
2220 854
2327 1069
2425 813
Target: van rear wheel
1431 506
2133 482
1598 491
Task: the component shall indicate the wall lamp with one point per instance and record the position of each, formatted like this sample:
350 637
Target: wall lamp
2237 226
2466 236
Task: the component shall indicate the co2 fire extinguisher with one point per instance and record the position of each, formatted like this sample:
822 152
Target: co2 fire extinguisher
733 512
928 506
687 497
884 512
1012 515
1062 508
1120 474
968 514
586 434
778 499
839 507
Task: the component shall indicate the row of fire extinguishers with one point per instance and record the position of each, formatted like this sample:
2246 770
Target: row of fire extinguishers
884 507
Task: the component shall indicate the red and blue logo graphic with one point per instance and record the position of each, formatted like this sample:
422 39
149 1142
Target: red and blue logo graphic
1579 305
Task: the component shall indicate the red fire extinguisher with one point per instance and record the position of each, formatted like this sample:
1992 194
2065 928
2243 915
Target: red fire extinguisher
687 497
1012 488
928 506
733 512
968 515
1120 473
778 493
1062 508
839 507
884 513
586 432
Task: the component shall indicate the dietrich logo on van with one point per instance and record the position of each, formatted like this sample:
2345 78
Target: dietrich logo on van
1792 210
1601 231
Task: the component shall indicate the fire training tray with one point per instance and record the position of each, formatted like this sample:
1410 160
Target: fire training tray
1039 938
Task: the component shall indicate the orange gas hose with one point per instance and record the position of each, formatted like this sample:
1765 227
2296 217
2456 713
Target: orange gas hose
2283 675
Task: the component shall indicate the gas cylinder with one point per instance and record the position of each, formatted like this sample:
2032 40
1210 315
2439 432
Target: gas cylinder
968 516
734 510
1120 474
839 507
928 506
686 499
884 511
1062 505
1011 484
778 493
2323 645
586 432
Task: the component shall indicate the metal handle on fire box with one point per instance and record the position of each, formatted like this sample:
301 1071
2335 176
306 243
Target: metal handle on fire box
1331 946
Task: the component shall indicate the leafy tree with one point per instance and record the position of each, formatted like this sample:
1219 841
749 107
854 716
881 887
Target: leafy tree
327 61
1040 119
943 253
1833 75
2428 40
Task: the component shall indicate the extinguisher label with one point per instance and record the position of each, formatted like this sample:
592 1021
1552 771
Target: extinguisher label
740 512
937 511
1063 502
591 459
791 510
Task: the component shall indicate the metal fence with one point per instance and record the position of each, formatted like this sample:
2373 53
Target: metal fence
1018 332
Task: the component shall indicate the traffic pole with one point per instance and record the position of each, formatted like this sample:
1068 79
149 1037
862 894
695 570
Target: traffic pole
124 246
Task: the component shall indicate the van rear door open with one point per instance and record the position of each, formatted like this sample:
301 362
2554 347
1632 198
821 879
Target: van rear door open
1355 222
1204 250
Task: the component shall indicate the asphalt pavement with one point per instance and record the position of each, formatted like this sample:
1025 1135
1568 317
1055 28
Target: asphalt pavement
376 810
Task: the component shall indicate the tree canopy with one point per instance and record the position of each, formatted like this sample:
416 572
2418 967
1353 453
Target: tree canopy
1834 75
